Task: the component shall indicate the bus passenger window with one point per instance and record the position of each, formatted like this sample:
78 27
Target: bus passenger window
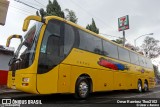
69 39
123 54
90 43
110 49
142 61
134 58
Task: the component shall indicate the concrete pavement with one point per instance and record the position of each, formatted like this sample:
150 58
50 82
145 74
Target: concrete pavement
4 90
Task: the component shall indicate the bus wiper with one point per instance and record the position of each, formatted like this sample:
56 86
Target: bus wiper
13 60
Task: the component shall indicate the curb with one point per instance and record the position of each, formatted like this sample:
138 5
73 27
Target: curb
6 90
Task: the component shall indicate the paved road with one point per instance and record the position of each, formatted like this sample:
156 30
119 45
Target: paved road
101 97
95 97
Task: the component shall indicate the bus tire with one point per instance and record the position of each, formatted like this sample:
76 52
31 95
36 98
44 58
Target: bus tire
145 89
139 86
82 88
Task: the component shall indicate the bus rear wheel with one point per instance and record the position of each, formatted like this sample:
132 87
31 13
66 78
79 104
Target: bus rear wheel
145 86
82 88
139 86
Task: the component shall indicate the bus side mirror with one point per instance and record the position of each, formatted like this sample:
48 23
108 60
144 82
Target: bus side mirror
13 36
28 19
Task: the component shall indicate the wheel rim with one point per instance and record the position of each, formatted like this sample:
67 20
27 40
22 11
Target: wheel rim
83 89
145 86
139 87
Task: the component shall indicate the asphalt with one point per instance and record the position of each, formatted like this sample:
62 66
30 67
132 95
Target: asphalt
4 90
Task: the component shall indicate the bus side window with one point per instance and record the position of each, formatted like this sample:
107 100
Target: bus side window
90 43
134 58
123 54
110 49
69 39
53 50
142 61
50 54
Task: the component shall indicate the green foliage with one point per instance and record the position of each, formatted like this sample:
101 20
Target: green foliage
54 9
119 41
92 27
157 73
71 16
151 47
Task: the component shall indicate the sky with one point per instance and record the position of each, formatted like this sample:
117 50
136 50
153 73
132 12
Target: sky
144 17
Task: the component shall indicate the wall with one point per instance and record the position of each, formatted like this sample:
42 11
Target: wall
4 59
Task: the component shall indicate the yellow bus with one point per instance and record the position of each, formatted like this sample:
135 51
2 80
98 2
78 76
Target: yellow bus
58 56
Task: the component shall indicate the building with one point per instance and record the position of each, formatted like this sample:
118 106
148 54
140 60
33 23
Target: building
3 11
5 55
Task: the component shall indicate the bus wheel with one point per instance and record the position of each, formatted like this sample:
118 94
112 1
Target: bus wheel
139 86
145 86
82 88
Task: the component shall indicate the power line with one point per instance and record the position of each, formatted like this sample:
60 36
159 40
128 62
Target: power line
44 1
109 35
19 12
20 9
40 3
26 4
35 4
89 13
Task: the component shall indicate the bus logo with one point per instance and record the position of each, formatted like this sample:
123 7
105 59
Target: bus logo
107 63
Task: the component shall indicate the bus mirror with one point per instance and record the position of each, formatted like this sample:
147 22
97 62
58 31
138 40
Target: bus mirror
27 21
13 36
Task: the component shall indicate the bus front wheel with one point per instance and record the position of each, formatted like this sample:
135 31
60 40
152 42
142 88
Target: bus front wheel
82 88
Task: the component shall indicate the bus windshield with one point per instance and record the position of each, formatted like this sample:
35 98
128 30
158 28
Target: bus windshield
26 50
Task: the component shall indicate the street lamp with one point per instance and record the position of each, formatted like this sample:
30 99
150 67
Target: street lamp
141 36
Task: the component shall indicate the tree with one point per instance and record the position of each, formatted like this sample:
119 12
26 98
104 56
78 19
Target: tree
54 9
157 74
129 46
92 27
71 16
119 41
150 47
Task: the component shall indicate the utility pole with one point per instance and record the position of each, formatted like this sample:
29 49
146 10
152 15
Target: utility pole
140 37
124 38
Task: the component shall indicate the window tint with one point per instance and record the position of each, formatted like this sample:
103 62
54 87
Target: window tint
142 61
50 52
68 38
149 64
110 49
90 43
53 28
123 54
134 58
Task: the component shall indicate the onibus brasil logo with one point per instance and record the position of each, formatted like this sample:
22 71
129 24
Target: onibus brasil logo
17 103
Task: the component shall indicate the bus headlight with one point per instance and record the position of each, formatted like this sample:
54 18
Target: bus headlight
25 79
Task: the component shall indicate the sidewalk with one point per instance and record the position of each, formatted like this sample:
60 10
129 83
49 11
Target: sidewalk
4 90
